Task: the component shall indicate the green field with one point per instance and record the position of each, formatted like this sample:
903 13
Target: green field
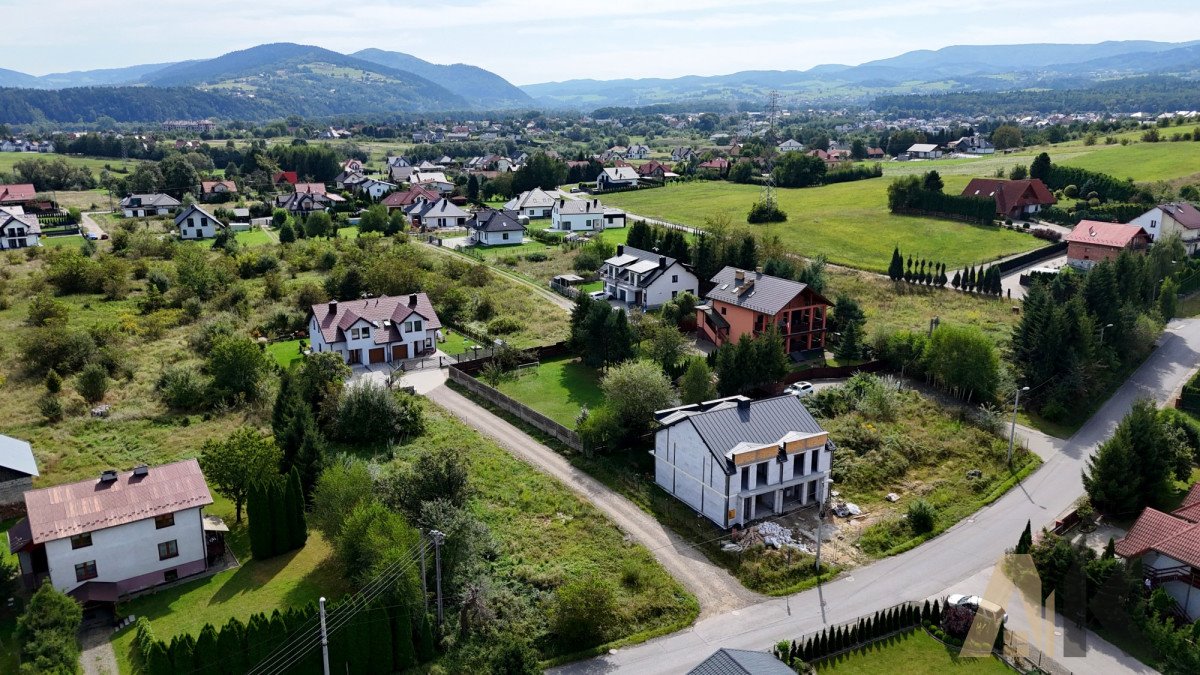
847 222
56 242
1141 161
913 653
96 164
557 388
255 236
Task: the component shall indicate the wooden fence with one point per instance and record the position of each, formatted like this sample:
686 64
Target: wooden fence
514 407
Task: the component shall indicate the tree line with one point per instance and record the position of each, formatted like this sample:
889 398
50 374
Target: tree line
924 195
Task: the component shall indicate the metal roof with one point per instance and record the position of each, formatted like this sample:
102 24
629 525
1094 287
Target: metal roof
17 455
741 662
755 422
766 294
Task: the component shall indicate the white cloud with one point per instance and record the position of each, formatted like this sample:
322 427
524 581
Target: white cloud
527 41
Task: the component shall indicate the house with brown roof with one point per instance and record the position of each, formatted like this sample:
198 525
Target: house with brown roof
1179 218
654 170
1092 241
403 198
20 194
1168 545
746 302
289 177
100 539
1016 199
386 329
214 190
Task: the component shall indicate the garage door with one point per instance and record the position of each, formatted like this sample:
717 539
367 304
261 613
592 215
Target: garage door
399 352
378 355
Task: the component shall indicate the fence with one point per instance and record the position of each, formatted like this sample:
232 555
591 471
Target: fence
1036 255
1025 657
608 191
827 372
520 410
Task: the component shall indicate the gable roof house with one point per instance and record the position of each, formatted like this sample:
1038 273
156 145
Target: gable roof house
875 153
656 170
438 214
924 151
727 661
387 329
18 467
644 278
734 460
535 203
1167 219
433 180
617 177
217 189
790 145
289 177
18 229
637 151
682 154
1015 199
138 206
494 227
19 194
98 540
1092 241
584 215
375 189
746 302
1168 545
304 203
403 198
196 223
717 166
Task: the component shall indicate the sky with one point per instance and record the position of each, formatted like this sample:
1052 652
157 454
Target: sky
529 41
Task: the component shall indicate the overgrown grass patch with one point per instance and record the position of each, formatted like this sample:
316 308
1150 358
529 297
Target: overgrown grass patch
286 352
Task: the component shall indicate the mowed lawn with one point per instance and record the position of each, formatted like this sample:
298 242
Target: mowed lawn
913 653
557 388
1141 161
849 223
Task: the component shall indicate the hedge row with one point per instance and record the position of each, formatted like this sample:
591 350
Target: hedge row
838 639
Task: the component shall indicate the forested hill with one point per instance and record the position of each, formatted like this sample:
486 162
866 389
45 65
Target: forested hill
1140 94
127 104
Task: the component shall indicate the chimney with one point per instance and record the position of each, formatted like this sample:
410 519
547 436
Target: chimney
562 202
412 300
333 306
744 404
620 249
662 261
108 476
739 277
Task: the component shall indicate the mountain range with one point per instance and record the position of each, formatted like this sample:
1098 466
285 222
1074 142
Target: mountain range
266 81
951 69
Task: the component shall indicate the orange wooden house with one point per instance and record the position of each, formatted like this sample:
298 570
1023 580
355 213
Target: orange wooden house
748 302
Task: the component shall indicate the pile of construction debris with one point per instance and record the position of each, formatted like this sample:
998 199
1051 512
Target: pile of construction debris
772 535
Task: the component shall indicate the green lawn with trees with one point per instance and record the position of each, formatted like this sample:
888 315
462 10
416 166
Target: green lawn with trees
849 223
558 388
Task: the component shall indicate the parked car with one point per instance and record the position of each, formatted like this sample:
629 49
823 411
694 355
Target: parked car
799 389
598 295
978 605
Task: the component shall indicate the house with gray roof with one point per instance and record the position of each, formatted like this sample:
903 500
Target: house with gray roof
139 206
437 214
613 178
741 662
735 460
748 302
493 227
644 278
18 229
584 215
535 203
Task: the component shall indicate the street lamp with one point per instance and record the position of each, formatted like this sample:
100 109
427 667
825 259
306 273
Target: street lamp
1109 325
1012 434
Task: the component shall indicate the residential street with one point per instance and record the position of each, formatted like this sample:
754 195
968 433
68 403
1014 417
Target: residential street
971 547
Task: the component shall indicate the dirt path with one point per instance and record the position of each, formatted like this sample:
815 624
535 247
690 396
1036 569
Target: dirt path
98 657
715 589
89 226
544 293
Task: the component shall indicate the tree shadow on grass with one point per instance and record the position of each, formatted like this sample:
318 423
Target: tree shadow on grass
251 576
327 579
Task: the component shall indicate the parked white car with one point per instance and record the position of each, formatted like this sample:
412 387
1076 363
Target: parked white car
598 295
977 604
799 389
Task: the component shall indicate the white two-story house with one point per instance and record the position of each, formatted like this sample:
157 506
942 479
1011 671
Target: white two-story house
139 206
387 329
98 540
584 215
734 460
535 203
1175 218
196 223
493 227
18 229
646 279
438 214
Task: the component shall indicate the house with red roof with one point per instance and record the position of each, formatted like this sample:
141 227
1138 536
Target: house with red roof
1092 241
216 190
288 177
403 198
386 329
100 539
20 194
1168 544
718 166
655 170
1016 199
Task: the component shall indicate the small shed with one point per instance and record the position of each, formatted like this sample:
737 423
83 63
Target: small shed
17 469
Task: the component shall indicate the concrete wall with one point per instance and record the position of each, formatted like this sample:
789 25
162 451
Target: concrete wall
128 554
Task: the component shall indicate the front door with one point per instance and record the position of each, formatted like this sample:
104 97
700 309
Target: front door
399 352
377 355
354 356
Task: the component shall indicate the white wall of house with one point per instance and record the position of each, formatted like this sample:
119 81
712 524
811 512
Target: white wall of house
1159 224
672 282
18 236
127 551
197 226
1187 597
577 222
415 340
442 221
500 238
144 211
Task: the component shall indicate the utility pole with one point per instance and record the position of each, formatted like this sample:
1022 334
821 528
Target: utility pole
437 562
324 639
424 585
820 521
1012 434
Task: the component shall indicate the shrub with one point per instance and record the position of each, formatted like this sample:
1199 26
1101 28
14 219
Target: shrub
182 388
503 325
92 383
582 612
920 516
536 257
51 408
1046 233
370 414
53 382
762 212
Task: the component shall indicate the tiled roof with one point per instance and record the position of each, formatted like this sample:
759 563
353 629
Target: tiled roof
1010 194
1099 233
1183 213
90 505
1189 508
759 292
621 173
757 423
207 186
20 220
440 208
20 192
494 220
409 196
310 188
1168 534
385 313
741 662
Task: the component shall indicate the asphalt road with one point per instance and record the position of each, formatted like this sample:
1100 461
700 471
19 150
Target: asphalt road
963 552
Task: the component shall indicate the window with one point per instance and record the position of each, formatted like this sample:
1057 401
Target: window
745 478
674 294
360 333
170 575
168 549
203 222
762 473
722 311
674 278
85 571
81 540
797 465
816 454
504 236
166 520
413 326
